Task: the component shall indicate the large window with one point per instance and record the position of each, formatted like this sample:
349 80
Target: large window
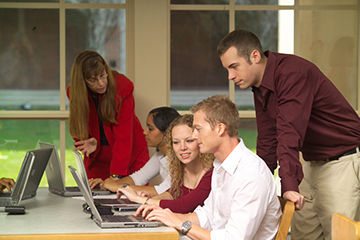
324 32
39 41
167 48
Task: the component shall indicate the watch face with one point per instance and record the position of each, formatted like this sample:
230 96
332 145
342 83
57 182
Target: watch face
186 227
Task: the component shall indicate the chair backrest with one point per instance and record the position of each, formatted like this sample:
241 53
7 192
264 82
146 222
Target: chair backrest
344 228
288 209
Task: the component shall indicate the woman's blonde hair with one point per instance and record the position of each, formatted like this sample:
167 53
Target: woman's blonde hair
176 167
86 65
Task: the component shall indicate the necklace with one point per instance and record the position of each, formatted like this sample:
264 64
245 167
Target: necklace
196 181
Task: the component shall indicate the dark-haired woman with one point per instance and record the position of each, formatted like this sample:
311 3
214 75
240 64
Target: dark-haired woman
157 122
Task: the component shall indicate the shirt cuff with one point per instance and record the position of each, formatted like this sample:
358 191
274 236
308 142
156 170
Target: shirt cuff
289 184
202 217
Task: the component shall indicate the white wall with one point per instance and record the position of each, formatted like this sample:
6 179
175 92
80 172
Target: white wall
150 56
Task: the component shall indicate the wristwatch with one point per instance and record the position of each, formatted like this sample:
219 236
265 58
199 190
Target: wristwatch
186 226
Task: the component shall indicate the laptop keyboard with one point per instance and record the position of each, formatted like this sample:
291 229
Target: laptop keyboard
106 201
116 218
6 202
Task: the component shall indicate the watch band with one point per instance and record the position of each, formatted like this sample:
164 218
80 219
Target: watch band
146 201
115 176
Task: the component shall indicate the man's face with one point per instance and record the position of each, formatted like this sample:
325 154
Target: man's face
244 75
205 136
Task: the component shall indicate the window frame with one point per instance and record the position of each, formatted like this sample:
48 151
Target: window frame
232 8
62 115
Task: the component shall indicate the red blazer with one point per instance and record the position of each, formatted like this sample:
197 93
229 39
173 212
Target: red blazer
129 147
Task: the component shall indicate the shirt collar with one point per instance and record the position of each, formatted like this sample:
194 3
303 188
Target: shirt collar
268 77
231 162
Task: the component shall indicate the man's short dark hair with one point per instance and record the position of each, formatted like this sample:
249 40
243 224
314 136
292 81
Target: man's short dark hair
244 41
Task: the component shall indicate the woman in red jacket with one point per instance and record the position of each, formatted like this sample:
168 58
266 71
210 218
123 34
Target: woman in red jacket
102 119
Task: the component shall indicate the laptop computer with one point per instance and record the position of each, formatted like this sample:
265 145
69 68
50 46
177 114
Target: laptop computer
109 220
14 198
82 171
101 201
41 160
54 175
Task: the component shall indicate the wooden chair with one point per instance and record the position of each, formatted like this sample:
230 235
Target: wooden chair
288 209
344 228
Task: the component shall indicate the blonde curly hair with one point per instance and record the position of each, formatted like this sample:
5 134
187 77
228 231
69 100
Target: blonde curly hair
176 167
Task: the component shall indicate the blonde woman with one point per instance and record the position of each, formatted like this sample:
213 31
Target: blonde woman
190 171
102 119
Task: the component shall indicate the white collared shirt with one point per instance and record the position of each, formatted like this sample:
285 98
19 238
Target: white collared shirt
242 203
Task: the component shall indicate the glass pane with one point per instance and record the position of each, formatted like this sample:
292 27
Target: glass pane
199 1
332 44
69 157
29 59
20 136
29 1
102 30
248 132
286 2
286 31
96 1
328 2
256 2
196 70
265 25
238 2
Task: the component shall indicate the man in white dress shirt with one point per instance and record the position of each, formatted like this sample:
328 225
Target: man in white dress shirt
242 203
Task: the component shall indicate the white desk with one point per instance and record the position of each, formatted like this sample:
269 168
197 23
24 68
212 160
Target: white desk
49 216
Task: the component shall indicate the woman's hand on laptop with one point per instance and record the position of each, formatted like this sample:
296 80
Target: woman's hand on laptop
143 194
86 147
109 184
6 183
93 182
129 192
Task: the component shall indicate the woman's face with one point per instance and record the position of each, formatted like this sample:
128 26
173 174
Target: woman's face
97 84
152 134
185 147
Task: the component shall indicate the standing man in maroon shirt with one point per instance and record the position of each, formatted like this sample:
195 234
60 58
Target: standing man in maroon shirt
298 109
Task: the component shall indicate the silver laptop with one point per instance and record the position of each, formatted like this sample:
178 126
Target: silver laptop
109 220
54 175
14 198
81 168
42 157
100 201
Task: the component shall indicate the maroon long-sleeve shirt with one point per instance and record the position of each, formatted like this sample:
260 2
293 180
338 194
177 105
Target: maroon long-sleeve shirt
299 109
190 198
